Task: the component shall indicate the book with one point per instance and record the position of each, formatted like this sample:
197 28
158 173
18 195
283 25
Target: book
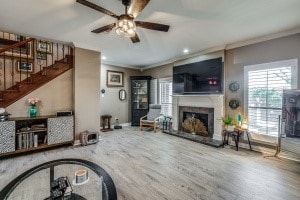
19 141
35 143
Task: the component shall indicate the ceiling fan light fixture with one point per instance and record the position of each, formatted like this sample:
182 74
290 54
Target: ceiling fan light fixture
125 26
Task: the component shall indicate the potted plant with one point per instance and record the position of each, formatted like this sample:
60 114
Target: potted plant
166 121
228 123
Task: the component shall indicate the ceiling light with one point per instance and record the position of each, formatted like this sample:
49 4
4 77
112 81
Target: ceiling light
103 58
125 26
185 51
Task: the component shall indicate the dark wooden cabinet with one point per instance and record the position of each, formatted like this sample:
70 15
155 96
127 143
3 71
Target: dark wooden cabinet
140 97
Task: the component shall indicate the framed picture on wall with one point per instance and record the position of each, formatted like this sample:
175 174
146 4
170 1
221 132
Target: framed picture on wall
114 79
26 51
23 66
43 46
41 55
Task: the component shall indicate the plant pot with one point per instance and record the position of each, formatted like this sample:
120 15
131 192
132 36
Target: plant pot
230 128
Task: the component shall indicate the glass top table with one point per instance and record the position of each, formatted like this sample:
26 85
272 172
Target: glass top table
34 184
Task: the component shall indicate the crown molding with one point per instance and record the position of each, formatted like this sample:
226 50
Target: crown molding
185 57
120 65
228 47
263 38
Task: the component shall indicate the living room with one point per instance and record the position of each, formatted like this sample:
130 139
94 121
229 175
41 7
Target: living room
252 51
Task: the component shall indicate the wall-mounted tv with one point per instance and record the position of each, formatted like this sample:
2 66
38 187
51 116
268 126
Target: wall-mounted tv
204 77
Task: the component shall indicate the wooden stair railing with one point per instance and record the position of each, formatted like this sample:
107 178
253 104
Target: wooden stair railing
16 77
16 45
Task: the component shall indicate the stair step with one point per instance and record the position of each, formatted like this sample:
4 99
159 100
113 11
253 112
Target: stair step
25 82
10 91
51 68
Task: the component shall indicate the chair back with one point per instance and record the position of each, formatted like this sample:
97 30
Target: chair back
154 111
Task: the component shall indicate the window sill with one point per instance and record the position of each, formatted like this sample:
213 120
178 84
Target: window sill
264 139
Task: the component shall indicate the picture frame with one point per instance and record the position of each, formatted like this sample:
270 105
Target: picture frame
17 52
44 46
234 86
22 66
41 55
114 78
234 103
292 100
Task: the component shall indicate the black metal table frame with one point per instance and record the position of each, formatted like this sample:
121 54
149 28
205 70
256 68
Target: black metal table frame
236 134
108 183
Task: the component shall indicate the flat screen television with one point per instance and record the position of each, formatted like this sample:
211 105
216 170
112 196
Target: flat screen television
204 77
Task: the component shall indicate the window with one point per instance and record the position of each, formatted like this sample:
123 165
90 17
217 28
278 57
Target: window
263 96
165 98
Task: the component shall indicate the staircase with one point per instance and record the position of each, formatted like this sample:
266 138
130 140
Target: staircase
24 68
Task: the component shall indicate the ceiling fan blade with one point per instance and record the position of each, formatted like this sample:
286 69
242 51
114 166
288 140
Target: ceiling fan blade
104 28
135 38
152 26
98 8
137 6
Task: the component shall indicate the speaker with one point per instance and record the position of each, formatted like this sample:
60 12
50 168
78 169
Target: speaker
64 113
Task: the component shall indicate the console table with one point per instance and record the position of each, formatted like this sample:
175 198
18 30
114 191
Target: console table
236 134
19 135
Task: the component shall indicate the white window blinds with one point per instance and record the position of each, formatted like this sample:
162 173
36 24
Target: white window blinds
264 85
165 98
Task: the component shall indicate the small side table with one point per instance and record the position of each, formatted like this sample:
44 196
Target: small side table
236 134
106 118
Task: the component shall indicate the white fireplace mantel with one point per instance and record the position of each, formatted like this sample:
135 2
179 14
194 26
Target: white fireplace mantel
207 101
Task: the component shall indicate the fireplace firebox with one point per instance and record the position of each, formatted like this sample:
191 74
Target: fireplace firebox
196 120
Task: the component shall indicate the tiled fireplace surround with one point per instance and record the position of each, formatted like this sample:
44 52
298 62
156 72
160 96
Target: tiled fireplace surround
203 101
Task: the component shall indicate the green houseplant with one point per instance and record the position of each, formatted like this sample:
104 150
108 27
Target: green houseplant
228 122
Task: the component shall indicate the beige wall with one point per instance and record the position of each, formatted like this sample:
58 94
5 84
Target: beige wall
269 51
163 71
109 102
86 90
55 96
284 48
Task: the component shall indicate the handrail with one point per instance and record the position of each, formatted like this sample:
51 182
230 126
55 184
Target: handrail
16 45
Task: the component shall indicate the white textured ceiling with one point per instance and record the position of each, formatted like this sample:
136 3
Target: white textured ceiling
195 24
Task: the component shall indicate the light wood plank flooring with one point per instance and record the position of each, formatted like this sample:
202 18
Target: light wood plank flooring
147 165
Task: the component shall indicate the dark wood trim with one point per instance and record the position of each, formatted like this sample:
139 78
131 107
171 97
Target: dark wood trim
45 146
16 45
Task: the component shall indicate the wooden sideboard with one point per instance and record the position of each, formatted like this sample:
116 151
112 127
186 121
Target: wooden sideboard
20 135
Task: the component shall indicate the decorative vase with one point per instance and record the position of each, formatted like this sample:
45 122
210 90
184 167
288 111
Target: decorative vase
32 111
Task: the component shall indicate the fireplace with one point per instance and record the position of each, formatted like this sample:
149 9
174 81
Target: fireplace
196 120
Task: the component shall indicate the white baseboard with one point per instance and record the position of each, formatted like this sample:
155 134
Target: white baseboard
77 143
126 124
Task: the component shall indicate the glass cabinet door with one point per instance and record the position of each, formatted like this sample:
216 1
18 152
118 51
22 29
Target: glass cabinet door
140 94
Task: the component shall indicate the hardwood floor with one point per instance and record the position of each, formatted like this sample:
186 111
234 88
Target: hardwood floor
147 165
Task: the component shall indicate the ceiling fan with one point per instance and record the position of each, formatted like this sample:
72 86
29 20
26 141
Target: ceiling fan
125 24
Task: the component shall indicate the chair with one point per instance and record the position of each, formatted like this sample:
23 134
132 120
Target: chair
152 117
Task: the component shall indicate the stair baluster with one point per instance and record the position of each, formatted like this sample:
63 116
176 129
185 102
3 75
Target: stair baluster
27 63
20 60
4 73
63 50
12 67
52 57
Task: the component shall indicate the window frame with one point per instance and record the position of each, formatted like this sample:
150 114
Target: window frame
293 63
164 80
